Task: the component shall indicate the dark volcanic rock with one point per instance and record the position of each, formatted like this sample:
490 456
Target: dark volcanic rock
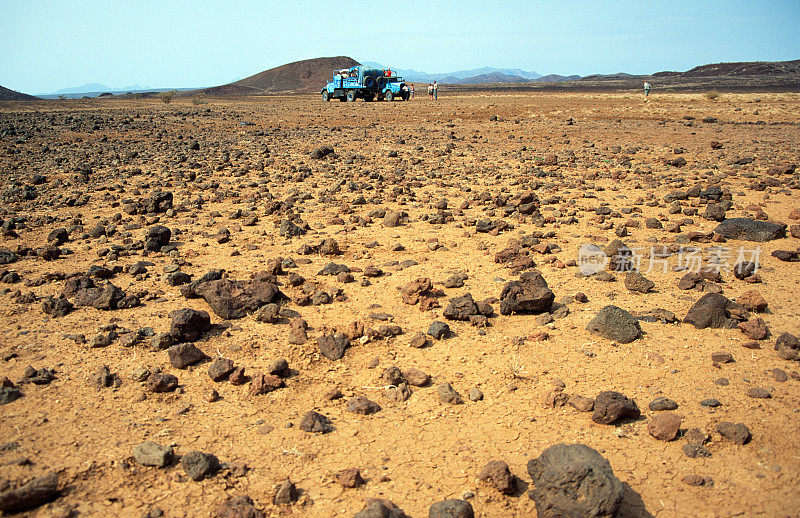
362 405
715 310
235 299
748 229
610 407
461 308
332 346
615 323
736 432
162 382
183 355
33 494
380 508
189 324
156 237
199 465
576 481
9 394
220 369
530 294
438 330
451 509
57 306
315 422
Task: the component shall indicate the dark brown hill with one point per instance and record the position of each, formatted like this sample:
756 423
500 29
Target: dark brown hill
308 75
11 95
747 68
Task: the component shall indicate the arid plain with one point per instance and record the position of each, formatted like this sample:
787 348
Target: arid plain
415 203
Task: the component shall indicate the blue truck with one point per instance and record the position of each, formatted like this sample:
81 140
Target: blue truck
366 83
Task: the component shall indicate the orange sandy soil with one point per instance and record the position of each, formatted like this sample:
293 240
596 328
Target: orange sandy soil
419 451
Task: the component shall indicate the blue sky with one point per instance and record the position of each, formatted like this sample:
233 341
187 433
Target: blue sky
46 45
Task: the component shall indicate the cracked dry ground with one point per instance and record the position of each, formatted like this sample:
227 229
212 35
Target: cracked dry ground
411 190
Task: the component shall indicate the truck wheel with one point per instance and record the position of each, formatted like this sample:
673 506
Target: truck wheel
369 81
389 96
326 96
351 96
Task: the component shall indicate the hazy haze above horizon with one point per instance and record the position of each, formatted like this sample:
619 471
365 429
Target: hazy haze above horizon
48 45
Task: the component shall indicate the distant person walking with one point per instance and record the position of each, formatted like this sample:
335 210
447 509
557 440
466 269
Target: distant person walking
435 91
646 90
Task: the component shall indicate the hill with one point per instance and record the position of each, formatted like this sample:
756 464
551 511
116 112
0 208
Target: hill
745 68
553 78
11 95
308 75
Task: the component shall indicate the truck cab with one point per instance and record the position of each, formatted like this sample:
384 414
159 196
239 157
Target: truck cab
365 83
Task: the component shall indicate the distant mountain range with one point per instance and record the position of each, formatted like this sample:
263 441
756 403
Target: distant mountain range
310 75
472 76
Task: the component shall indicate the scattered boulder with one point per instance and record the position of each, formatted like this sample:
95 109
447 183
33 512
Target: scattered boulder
738 433
716 311
530 294
447 394
747 229
610 407
499 474
574 480
35 493
183 355
315 422
199 465
332 346
189 324
451 509
362 405
150 453
614 323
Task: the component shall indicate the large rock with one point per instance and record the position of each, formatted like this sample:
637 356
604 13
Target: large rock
183 355
461 308
332 346
748 229
573 480
33 494
715 310
616 324
451 509
530 294
235 299
610 407
189 324
150 453
156 237
199 465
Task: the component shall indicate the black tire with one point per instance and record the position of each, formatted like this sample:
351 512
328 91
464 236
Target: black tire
351 96
326 96
389 96
369 82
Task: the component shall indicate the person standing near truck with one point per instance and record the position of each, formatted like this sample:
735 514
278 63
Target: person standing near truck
435 91
412 91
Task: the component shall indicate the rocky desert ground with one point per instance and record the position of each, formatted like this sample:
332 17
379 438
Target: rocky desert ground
275 306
